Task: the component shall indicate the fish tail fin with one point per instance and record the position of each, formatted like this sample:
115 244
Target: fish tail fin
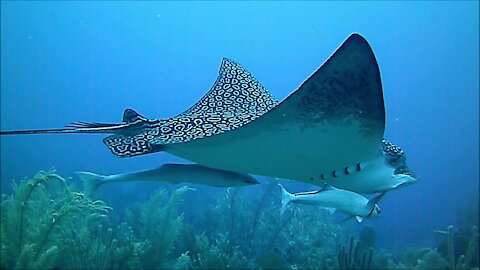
91 181
286 199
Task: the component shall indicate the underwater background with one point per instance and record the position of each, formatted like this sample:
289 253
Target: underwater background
87 61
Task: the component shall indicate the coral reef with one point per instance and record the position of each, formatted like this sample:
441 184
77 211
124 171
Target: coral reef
48 225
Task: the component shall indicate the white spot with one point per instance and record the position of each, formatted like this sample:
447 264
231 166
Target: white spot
396 119
29 37
159 16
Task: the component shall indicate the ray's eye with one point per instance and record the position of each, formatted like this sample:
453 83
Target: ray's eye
379 211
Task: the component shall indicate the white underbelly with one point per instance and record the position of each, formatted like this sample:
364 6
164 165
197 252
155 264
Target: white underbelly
287 153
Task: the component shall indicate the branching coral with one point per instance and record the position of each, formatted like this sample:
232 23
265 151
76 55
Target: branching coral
351 259
464 261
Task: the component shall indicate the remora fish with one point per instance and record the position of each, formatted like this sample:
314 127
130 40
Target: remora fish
329 130
171 173
351 203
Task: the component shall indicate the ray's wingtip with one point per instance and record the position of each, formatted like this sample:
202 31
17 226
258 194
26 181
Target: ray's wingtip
356 35
357 39
226 60
227 64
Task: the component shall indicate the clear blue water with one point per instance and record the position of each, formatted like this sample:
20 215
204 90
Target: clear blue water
66 62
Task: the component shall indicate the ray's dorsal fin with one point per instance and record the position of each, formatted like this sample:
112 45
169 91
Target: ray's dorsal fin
130 116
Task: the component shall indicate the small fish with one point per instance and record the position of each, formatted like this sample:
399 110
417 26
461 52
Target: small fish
351 203
171 173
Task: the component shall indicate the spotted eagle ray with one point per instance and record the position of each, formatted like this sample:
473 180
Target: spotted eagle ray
329 130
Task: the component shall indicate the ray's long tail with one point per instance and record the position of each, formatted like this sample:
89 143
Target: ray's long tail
132 122
79 127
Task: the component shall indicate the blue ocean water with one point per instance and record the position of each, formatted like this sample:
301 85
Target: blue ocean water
87 61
